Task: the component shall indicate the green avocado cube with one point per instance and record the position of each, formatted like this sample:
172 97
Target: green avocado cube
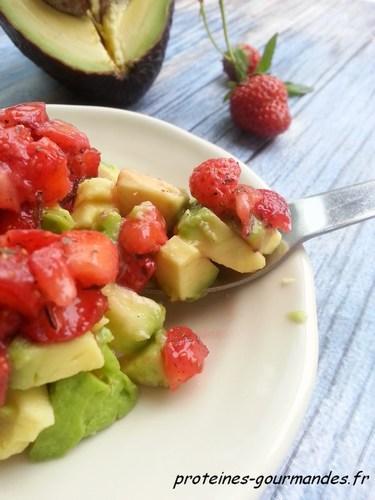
133 319
109 223
107 171
217 241
133 188
37 364
263 239
57 220
95 190
84 405
182 272
146 366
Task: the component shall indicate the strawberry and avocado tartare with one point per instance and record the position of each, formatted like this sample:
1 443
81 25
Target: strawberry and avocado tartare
79 242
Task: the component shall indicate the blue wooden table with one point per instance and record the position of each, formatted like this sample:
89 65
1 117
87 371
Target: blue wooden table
328 44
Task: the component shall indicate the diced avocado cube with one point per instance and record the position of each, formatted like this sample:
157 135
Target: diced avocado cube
95 190
57 220
36 364
109 223
84 405
25 415
146 366
132 319
263 239
217 241
107 171
87 214
182 272
133 188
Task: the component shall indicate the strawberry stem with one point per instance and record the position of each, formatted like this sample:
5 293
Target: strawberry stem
225 28
202 12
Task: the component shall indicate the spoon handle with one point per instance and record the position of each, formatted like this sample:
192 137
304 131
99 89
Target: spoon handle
325 212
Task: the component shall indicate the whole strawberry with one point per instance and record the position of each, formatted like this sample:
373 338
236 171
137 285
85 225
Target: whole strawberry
258 101
259 105
250 56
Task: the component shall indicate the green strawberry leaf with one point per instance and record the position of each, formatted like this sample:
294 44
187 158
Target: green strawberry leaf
241 64
269 50
231 85
296 89
228 94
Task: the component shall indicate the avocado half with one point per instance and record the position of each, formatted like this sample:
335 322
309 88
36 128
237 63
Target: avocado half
108 51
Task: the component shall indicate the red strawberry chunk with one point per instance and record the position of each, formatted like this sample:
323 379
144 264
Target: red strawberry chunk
48 170
30 114
67 136
52 275
213 182
245 199
183 355
60 324
136 271
84 164
4 374
10 322
29 239
26 219
92 257
273 210
145 232
9 198
17 285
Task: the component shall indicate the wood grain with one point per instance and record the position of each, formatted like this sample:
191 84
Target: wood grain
328 44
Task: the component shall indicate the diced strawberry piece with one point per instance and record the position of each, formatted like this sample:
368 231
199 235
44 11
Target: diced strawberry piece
10 322
4 374
212 183
13 145
67 136
29 239
48 170
145 232
17 285
26 219
135 271
245 199
53 276
59 324
92 257
183 355
268 206
9 198
30 114
85 164
273 210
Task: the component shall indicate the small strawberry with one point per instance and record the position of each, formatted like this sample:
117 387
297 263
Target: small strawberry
258 101
213 183
260 106
250 56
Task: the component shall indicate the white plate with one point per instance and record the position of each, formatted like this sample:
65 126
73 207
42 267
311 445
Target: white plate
241 414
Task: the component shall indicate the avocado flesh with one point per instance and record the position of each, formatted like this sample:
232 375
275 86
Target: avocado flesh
217 241
146 367
25 415
182 272
133 17
74 41
84 405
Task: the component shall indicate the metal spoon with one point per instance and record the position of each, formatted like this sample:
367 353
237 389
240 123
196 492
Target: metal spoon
311 216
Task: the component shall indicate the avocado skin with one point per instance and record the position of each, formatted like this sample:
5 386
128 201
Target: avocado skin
100 88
